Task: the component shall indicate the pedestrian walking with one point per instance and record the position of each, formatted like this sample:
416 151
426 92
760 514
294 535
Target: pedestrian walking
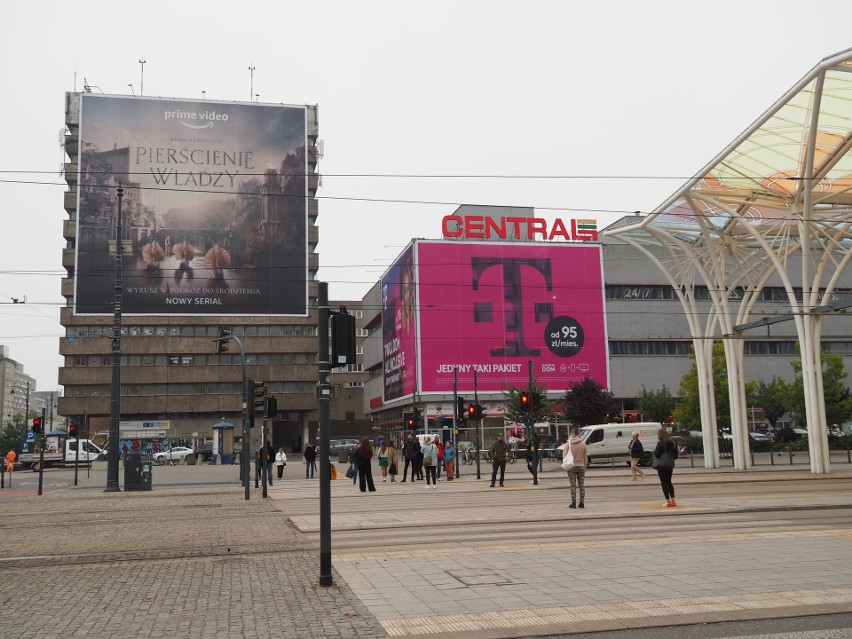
310 460
280 462
270 459
410 450
353 464
430 462
383 460
392 459
363 460
577 473
532 459
499 455
636 452
449 458
665 455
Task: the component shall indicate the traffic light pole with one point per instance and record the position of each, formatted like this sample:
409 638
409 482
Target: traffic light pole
477 426
323 389
41 455
115 389
533 441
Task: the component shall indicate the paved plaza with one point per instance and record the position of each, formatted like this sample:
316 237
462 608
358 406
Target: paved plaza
193 558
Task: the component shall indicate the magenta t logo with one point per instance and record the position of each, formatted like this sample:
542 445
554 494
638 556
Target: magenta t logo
514 344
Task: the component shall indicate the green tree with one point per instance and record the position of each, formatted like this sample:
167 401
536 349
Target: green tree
656 405
689 408
838 403
587 402
13 435
770 396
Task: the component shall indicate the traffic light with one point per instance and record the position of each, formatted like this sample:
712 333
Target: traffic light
72 430
535 401
271 407
222 340
460 412
408 420
38 425
471 412
524 401
342 339
259 394
418 418
480 412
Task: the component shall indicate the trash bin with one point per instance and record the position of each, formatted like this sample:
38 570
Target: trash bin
137 472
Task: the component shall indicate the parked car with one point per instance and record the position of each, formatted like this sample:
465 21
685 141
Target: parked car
759 437
175 454
205 451
337 446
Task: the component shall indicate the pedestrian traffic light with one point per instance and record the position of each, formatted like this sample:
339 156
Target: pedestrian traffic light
271 407
480 412
418 418
471 412
222 340
524 401
259 394
72 430
535 401
460 412
408 420
38 425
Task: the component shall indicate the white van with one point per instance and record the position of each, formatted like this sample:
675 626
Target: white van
606 442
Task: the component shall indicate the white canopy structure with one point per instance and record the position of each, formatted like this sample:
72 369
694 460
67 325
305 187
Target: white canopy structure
776 200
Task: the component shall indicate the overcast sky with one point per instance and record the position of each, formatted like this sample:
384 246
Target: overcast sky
639 95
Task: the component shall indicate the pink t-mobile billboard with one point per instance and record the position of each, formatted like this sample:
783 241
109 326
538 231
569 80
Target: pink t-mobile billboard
493 307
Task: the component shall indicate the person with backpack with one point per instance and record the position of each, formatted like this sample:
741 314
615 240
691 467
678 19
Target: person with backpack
665 455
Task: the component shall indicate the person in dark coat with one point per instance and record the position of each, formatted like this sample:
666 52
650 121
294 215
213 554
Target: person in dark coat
310 460
665 455
363 459
636 451
410 451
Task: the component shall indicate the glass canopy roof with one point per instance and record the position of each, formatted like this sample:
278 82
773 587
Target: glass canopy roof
793 165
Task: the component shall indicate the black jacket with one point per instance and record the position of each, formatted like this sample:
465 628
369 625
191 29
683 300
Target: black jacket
410 449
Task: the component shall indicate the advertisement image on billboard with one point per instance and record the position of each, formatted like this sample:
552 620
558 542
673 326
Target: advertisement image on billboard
213 213
399 331
495 307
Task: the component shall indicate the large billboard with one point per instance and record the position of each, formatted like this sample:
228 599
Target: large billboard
399 336
214 213
491 308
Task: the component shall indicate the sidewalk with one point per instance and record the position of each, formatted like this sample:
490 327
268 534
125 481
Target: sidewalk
193 558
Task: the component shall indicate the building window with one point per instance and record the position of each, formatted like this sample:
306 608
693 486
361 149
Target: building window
353 385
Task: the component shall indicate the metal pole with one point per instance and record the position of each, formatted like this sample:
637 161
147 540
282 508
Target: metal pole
325 472
115 390
264 459
456 418
536 453
41 455
479 434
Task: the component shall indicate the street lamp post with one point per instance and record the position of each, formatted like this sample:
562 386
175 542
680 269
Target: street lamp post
115 390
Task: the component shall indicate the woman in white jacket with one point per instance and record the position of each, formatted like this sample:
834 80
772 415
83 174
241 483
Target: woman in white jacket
280 462
430 462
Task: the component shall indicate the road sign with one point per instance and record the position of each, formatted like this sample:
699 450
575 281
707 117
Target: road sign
25 448
30 436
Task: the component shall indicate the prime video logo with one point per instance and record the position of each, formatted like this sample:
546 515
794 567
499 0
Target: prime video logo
208 117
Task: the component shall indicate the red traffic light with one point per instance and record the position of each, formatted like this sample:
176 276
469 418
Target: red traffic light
471 411
72 430
524 400
38 424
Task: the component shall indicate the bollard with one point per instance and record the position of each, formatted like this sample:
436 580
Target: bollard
790 450
772 454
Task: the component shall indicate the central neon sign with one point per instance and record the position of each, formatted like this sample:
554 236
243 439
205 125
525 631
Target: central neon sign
483 227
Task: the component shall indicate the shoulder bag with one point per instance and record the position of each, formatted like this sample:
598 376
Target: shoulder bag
568 461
